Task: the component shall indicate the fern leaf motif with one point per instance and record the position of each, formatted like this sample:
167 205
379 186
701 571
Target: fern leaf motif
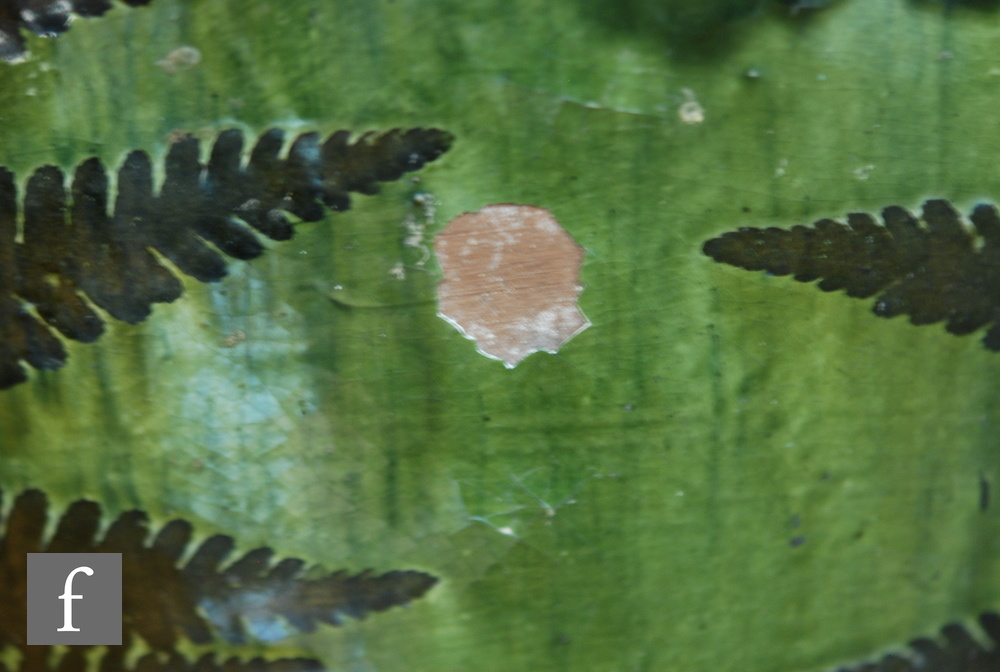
250 598
40 659
934 270
46 18
957 652
72 246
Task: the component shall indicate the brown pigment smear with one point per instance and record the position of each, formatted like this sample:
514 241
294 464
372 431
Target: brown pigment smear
511 280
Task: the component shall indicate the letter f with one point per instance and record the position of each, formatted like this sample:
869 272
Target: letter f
67 597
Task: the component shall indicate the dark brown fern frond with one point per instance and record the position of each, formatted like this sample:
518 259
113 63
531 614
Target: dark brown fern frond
74 659
796 6
163 599
958 651
941 270
46 18
74 249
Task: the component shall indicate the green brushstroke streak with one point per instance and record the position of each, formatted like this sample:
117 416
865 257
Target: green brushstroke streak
626 504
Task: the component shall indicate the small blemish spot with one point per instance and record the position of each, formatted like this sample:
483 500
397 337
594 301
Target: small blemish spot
233 339
863 172
511 280
179 60
691 111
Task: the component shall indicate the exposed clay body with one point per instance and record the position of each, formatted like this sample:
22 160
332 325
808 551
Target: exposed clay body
511 280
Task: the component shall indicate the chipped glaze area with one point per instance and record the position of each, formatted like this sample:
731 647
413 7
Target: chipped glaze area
511 281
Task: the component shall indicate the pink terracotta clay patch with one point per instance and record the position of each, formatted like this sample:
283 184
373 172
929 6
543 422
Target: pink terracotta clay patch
511 280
